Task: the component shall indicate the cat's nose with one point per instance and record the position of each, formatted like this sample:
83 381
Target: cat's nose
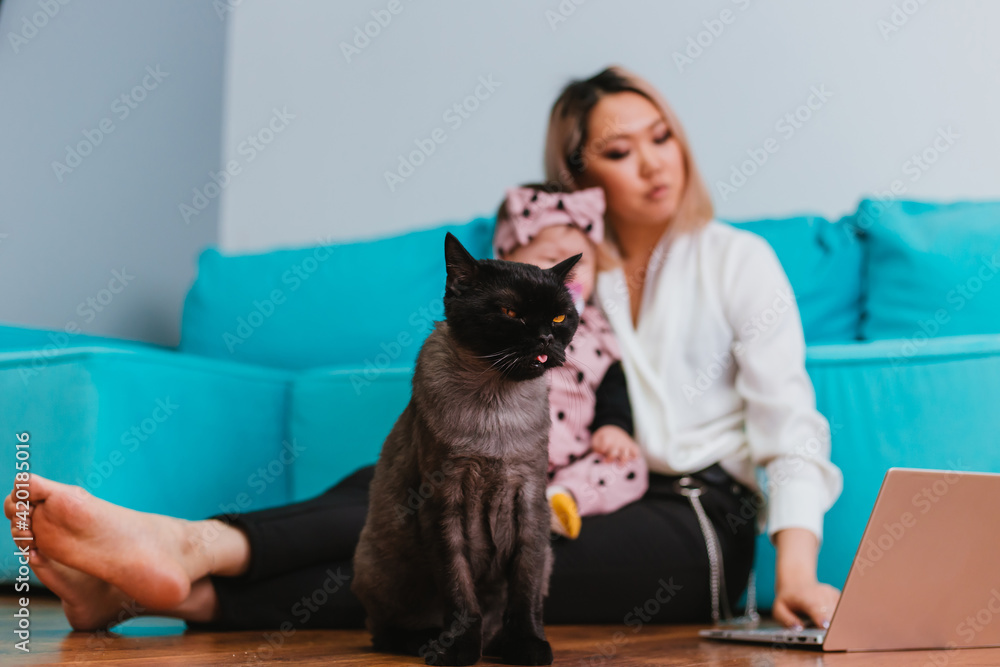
547 338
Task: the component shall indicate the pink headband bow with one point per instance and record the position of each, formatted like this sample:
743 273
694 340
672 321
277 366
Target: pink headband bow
529 211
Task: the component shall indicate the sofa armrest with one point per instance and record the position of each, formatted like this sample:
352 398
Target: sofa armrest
152 430
908 403
41 343
901 351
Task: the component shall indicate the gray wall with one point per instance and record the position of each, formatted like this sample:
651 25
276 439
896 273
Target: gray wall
898 73
64 234
897 81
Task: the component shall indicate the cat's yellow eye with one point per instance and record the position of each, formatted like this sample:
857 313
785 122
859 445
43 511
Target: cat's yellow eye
558 319
508 312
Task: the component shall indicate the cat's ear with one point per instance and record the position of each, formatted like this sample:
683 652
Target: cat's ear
563 268
462 267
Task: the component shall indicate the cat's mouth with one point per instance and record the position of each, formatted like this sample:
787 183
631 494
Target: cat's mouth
542 361
538 361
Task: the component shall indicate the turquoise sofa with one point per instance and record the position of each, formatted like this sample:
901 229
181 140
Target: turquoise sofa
294 364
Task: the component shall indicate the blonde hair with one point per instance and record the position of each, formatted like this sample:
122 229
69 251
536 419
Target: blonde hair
605 255
567 138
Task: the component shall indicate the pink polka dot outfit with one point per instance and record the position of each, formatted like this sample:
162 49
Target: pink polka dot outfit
598 486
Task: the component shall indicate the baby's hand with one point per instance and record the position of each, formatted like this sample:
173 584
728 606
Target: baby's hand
614 443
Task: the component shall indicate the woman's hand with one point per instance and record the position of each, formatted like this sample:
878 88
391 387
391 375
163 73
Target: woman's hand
798 594
807 599
614 443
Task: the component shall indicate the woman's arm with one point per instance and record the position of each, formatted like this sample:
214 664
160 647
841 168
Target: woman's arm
785 432
798 593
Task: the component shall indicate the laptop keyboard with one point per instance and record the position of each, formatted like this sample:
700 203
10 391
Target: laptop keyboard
807 636
818 633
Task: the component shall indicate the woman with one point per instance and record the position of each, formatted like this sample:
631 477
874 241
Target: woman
689 299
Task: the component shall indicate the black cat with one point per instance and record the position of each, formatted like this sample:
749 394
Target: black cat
454 558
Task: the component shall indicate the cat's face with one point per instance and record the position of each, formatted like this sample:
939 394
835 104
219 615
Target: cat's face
516 317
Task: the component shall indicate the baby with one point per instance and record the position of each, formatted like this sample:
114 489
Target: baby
595 467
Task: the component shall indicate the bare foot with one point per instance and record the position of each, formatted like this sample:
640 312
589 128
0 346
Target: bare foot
89 603
148 557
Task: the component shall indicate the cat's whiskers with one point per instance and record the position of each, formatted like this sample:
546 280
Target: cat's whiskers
507 363
579 361
506 350
497 362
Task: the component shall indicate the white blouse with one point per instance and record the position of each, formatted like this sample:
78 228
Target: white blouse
716 371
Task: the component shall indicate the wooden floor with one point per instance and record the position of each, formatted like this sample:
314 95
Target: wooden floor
161 641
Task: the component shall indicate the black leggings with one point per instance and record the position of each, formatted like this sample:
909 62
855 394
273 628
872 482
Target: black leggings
645 563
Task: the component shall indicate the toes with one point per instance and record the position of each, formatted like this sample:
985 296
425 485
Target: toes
20 525
41 487
10 501
17 532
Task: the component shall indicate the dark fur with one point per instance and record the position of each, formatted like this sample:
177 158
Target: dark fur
454 558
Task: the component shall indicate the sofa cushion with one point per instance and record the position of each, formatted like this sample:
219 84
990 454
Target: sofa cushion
367 303
338 418
823 262
932 269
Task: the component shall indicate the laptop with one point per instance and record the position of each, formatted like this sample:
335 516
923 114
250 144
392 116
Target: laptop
925 576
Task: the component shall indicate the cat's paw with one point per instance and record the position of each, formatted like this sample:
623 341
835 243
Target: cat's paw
495 647
459 653
526 651
461 644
